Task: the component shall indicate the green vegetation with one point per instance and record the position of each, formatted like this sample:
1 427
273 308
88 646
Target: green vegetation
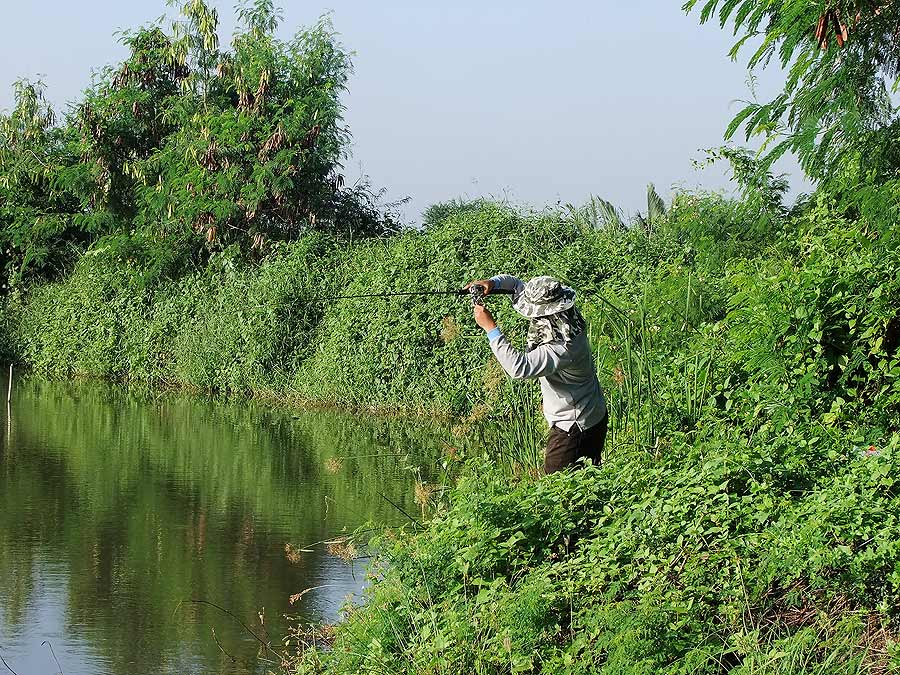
741 522
842 60
745 519
703 559
183 149
748 369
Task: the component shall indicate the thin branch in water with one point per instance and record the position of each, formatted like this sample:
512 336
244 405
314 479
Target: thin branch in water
53 653
221 648
293 599
400 509
266 645
262 624
3 661
308 548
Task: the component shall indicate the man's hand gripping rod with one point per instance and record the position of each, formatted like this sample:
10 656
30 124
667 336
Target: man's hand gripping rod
477 293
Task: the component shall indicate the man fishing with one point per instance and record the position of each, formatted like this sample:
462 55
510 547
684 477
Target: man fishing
559 355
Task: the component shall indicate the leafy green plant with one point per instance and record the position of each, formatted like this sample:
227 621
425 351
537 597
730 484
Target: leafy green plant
39 235
841 58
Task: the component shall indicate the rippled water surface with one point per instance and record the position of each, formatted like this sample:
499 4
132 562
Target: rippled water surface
117 507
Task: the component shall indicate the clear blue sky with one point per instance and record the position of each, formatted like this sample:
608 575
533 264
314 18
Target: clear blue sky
530 101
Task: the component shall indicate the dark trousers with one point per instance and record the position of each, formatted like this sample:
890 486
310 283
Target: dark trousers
565 448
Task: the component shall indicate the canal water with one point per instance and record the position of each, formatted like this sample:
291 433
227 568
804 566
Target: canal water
118 507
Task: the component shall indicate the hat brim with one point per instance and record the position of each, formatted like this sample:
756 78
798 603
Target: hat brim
532 310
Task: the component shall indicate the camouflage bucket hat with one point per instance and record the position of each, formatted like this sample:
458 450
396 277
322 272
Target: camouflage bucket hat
543 296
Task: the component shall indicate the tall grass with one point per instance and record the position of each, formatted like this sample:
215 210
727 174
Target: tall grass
630 401
522 430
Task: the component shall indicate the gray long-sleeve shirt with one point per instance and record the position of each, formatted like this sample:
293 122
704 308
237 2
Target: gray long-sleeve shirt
572 394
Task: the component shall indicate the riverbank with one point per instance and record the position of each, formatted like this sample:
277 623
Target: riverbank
745 517
703 559
235 326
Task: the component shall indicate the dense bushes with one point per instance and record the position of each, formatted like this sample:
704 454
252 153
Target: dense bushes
698 560
741 521
746 517
241 327
804 318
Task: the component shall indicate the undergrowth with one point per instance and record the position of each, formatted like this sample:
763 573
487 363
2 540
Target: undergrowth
745 517
694 561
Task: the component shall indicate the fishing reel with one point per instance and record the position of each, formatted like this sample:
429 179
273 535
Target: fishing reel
477 293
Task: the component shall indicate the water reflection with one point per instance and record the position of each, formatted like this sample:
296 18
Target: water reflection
115 506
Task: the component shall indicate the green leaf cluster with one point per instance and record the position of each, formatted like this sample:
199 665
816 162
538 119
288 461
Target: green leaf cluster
841 61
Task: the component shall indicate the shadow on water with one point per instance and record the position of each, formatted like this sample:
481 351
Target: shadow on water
115 506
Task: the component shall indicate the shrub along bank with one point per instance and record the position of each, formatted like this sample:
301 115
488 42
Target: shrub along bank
709 557
741 522
239 327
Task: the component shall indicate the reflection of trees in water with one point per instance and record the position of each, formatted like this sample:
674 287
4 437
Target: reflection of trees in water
149 500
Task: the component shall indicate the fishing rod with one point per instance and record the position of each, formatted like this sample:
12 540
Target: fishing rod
477 293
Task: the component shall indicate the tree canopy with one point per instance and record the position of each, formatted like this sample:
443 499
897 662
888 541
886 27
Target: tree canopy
842 60
187 145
